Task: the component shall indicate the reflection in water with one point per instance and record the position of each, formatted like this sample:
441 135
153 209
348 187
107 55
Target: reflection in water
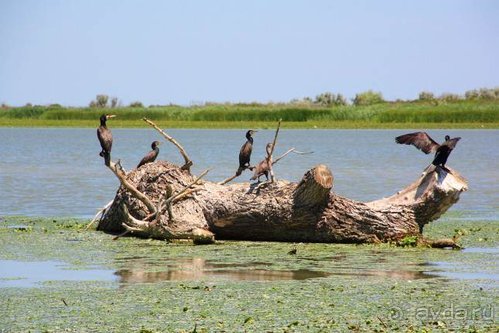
146 270
199 269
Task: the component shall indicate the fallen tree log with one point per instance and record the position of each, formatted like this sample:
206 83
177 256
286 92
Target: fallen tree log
308 211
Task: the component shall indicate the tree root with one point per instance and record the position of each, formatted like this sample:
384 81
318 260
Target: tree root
120 173
101 212
148 230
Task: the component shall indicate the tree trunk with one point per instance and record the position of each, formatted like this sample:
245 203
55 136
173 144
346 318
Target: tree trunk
282 211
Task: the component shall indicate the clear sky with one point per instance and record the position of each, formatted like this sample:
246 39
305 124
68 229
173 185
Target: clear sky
183 52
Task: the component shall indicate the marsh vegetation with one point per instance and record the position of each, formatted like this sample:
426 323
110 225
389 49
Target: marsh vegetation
478 108
156 286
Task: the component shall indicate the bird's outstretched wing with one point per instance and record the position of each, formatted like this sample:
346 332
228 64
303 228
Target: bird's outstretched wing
420 140
452 142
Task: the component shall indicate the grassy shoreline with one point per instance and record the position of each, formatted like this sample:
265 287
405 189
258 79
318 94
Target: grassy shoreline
461 114
245 124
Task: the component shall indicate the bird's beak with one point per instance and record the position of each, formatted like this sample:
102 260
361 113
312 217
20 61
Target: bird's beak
111 116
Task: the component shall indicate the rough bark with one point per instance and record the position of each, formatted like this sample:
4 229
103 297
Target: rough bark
307 211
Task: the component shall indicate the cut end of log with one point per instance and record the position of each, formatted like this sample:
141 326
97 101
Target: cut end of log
314 188
323 176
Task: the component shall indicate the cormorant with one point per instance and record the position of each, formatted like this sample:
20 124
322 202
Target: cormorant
245 153
263 167
424 142
151 156
105 138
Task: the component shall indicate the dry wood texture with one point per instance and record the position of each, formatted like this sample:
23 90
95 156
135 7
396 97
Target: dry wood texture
308 211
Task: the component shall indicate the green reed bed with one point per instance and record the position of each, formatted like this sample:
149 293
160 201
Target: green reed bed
473 114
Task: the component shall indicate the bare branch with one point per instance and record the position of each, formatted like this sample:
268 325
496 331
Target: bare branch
223 182
124 233
187 160
186 193
132 221
194 182
136 193
168 195
292 150
101 212
269 157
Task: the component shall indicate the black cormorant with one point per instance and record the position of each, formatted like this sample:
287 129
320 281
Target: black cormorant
424 142
245 153
151 156
105 138
263 168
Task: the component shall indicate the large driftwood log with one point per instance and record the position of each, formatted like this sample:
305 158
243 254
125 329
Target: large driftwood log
308 211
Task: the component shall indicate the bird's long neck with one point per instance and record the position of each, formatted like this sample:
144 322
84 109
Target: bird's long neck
103 123
250 138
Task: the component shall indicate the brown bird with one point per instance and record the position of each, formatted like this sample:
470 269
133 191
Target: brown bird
424 142
105 138
263 168
245 153
151 156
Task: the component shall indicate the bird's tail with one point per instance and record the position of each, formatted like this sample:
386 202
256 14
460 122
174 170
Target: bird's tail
107 157
239 171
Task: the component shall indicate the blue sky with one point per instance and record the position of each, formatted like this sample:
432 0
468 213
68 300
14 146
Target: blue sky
184 52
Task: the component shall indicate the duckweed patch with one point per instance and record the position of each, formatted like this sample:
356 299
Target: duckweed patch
250 286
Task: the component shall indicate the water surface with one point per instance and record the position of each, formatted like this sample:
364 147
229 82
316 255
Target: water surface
57 171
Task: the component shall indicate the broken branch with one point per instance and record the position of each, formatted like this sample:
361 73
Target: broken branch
136 193
184 190
269 157
187 160
292 150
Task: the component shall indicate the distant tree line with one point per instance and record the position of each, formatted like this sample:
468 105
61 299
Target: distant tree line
103 101
330 99
372 97
484 94
326 99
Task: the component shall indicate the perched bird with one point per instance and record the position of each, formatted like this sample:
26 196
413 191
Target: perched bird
245 153
263 168
424 142
105 138
151 156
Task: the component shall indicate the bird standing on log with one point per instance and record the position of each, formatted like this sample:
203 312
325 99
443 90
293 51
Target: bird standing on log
263 168
245 153
424 142
105 138
150 156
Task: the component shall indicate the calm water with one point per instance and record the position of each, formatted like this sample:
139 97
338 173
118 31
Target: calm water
57 172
